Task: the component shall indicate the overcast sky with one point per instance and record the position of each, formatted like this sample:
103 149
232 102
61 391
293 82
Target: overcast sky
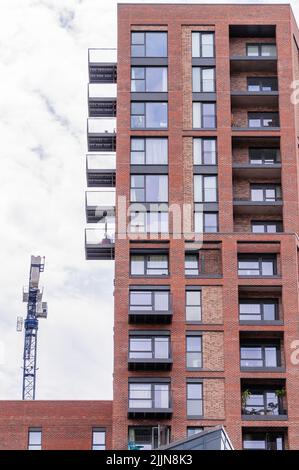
43 110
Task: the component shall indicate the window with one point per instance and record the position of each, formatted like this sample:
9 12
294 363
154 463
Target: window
149 115
257 266
262 84
263 120
148 44
35 439
149 265
149 222
149 188
193 305
191 430
149 151
204 151
154 347
265 193
193 264
266 226
155 301
256 356
258 310
261 50
149 79
203 44
263 156
149 395
205 188
203 80
194 400
263 402
98 439
206 222
204 115
263 441
194 352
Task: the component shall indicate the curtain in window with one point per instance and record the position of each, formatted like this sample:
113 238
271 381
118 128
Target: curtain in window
197 115
156 151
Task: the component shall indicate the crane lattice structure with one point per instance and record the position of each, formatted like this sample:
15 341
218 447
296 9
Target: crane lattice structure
35 309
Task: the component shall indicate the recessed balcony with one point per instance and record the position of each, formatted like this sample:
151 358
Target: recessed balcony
251 98
100 242
101 169
247 206
263 400
99 204
251 170
150 306
101 134
102 65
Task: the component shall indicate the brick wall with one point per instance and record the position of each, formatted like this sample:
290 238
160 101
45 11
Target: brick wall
213 354
213 396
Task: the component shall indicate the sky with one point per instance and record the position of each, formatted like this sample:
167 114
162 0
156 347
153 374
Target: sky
43 111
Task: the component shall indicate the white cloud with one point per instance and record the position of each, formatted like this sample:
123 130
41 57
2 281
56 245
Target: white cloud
43 110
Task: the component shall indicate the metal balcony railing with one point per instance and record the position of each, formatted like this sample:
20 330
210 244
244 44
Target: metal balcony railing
99 204
100 242
101 169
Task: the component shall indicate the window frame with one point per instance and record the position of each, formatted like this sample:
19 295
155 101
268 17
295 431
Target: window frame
201 68
265 187
261 116
144 44
260 46
145 150
263 393
267 437
192 351
260 84
204 177
152 293
262 304
145 79
262 346
152 398
98 446
204 225
259 259
145 114
203 115
146 184
199 306
200 400
265 224
152 339
262 157
200 34
200 264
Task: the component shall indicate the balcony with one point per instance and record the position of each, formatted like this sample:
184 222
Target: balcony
149 399
150 306
101 134
102 65
99 204
251 170
101 169
256 121
261 351
251 98
102 99
149 352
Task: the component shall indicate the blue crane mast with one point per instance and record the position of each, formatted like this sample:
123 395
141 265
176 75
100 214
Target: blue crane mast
35 309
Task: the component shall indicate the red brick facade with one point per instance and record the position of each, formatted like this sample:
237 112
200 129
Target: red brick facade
65 425
221 326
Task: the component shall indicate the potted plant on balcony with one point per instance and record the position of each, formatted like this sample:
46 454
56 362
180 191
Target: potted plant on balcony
246 394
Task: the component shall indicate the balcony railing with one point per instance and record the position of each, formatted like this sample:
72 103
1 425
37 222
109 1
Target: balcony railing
102 100
99 204
272 412
101 169
100 242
